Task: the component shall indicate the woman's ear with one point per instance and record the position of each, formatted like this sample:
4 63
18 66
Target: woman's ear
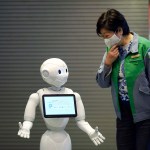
119 30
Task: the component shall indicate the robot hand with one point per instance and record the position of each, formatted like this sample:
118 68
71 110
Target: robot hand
97 137
24 130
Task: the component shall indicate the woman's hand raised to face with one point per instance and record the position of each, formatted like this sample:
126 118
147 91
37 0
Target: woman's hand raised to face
112 55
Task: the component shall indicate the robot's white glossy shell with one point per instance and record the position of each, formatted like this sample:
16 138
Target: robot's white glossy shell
54 71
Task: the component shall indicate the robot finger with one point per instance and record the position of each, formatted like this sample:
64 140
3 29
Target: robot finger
98 141
19 133
101 136
20 125
95 142
27 136
96 129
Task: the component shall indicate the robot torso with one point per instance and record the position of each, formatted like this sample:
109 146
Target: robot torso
53 124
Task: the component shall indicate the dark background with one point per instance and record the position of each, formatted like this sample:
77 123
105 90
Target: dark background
32 31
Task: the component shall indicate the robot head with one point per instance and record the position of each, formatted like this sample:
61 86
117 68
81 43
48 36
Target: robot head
54 71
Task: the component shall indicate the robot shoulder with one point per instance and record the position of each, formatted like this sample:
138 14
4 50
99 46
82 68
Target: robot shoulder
34 97
77 95
42 91
68 91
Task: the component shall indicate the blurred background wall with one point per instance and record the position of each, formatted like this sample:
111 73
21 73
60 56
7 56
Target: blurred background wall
32 31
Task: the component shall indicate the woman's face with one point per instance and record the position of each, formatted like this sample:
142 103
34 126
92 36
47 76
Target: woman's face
111 38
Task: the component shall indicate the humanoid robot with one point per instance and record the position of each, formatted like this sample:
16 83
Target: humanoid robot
54 71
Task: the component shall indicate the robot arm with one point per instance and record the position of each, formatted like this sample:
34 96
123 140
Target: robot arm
94 134
29 116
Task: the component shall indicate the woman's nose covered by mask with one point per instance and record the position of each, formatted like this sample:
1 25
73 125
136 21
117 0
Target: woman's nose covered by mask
112 40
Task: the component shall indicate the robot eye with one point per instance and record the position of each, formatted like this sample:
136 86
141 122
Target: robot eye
59 71
66 70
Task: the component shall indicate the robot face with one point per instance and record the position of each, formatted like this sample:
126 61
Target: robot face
54 71
61 74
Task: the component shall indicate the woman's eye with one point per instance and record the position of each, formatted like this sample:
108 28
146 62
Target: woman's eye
59 71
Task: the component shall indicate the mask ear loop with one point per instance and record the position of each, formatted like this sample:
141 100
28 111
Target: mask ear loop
118 30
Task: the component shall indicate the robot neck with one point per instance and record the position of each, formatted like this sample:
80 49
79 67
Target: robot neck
54 88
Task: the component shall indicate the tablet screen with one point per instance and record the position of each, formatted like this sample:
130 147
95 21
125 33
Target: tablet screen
60 105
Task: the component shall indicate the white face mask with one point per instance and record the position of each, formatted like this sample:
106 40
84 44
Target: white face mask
112 41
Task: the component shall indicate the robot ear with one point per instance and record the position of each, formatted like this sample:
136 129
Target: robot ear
45 73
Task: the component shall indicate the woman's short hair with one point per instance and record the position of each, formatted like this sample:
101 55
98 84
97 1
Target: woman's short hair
111 20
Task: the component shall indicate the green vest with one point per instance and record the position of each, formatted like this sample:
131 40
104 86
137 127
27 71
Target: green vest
133 67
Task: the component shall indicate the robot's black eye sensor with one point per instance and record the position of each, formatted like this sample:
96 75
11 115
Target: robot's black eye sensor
66 70
59 71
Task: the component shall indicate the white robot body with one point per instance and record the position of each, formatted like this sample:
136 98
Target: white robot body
54 71
55 138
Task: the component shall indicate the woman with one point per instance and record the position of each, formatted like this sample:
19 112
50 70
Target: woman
126 69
